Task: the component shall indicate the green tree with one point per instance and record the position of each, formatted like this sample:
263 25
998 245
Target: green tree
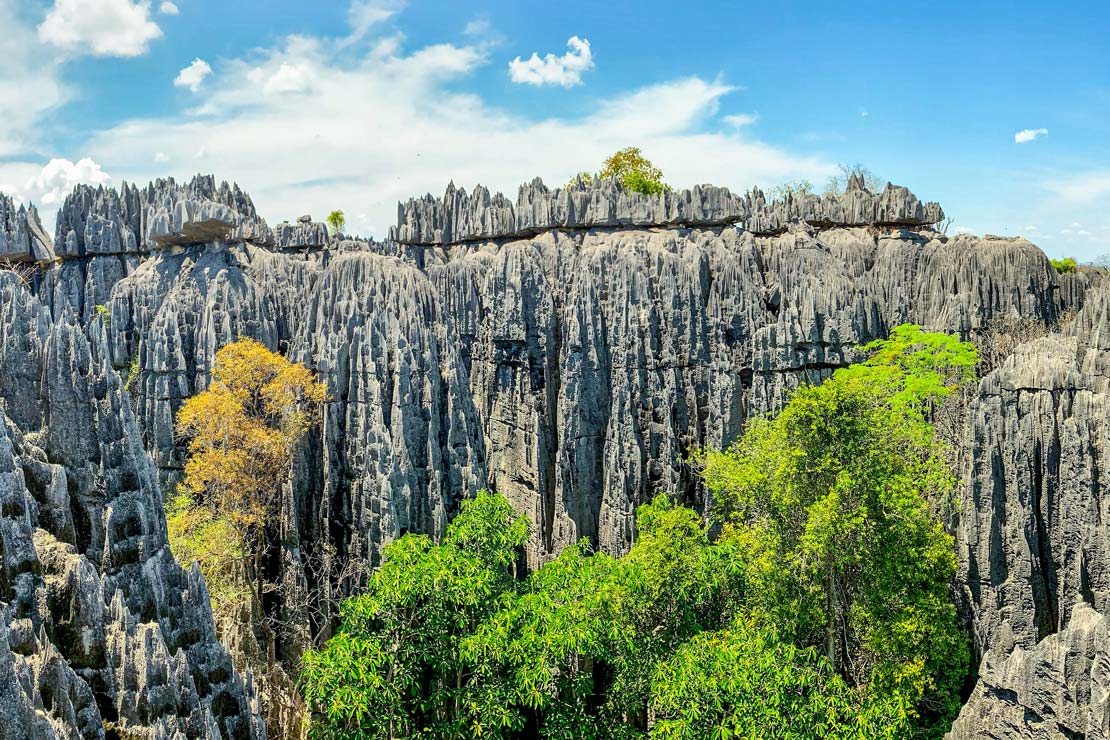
634 171
395 668
745 682
337 221
829 506
1065 265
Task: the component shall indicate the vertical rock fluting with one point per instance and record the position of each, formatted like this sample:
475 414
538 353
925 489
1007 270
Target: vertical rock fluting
104 630
1034 540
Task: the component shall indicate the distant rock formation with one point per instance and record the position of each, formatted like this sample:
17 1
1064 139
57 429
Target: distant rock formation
459 217
1034 537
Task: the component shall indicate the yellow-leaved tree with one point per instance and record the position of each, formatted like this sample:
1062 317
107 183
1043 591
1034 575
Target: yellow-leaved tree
240 435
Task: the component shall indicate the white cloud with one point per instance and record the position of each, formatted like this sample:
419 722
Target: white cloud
362 15
1029 134
1082 188
54 182
160 158
552 70
286 79
739 120
363 152
193 76
30 85
168 8
964 230
109 28
477 27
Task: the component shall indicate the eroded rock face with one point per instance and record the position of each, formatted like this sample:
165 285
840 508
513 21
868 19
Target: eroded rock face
103 629
585 204
1033 538
22 238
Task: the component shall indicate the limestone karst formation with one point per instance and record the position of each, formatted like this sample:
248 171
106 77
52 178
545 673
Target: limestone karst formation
569 350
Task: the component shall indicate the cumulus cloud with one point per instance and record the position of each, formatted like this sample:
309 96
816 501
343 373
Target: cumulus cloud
168 8
1027 135
54 182
286 79
108 28
565 70
368 130
193 76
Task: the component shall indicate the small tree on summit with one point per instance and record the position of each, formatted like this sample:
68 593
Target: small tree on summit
336 220
634 171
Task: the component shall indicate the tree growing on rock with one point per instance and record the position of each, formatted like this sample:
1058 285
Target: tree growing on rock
337 221
834 508
634 170
240 437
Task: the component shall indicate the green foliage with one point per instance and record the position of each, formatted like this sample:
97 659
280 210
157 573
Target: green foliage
132 374
634 171
336 220
582 177
746 682
396 667
1065 265
828 505
212 542
103 313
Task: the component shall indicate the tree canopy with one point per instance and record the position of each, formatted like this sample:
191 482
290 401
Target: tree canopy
634 171
240 435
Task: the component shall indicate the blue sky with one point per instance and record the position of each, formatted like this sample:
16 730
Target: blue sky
355 105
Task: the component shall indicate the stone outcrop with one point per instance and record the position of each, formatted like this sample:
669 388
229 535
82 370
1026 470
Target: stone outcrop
1033 540
22 238
591 204
103 630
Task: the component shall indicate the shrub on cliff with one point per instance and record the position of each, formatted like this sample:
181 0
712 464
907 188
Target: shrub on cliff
634 171
1065 265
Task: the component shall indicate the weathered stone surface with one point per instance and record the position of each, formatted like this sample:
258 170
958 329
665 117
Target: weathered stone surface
22 238
102 627
1034 545
461 217
568 350
856 206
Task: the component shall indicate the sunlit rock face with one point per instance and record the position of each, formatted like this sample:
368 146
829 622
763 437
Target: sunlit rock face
101 627
569 349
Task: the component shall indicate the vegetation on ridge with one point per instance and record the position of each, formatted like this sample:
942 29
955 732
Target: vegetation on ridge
820 610
1065 265
632 168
